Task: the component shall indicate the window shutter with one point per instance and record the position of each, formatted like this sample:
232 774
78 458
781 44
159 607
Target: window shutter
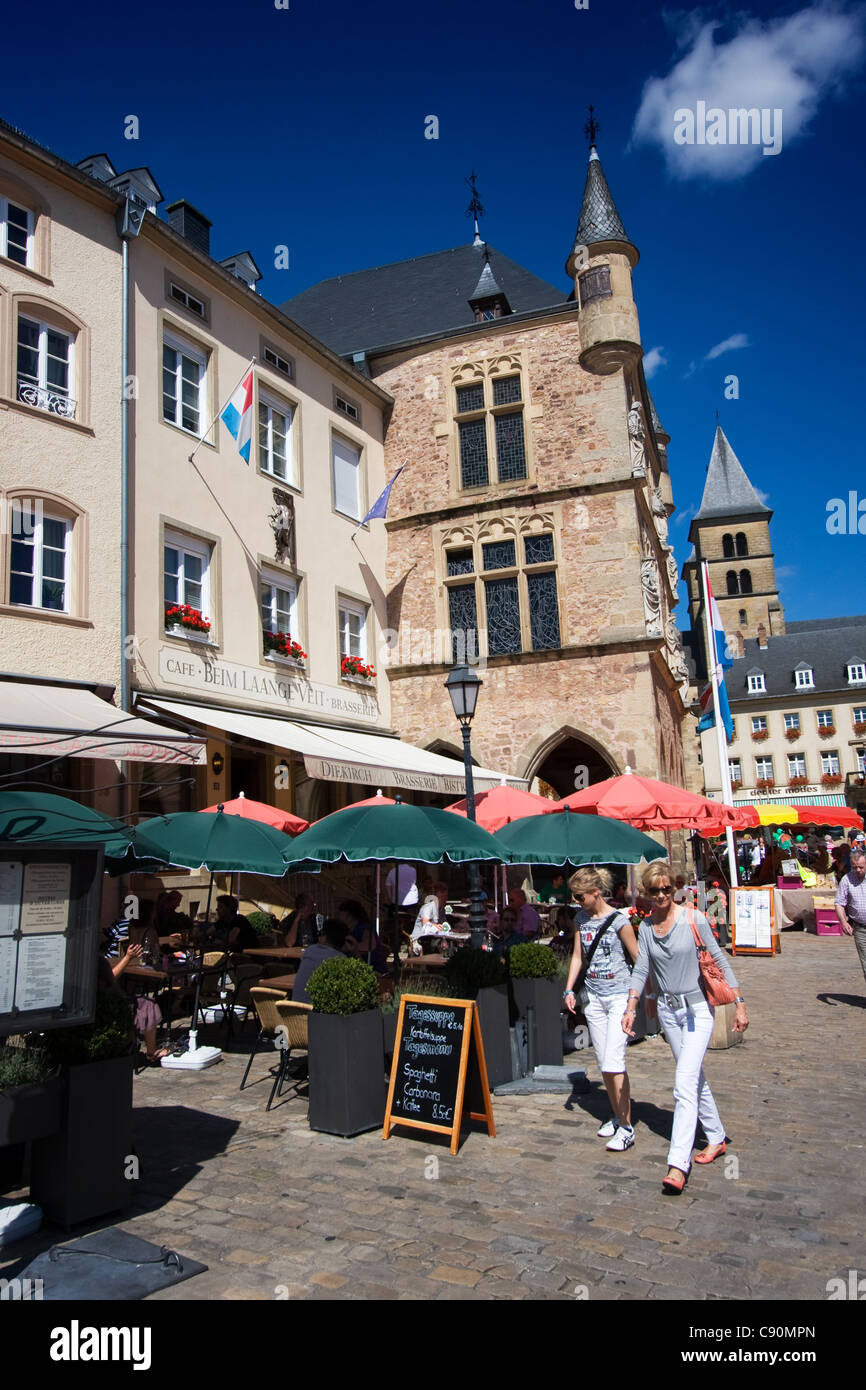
346 462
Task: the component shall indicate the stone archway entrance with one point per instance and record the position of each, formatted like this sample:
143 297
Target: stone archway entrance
559 764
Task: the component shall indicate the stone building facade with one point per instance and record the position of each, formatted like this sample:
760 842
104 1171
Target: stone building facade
528 530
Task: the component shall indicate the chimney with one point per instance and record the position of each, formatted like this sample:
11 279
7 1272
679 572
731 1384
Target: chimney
190 223
763 640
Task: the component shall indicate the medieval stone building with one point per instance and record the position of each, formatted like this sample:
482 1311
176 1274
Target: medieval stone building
529 525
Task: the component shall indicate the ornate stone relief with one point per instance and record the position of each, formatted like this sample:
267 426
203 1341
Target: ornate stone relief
660 516
637 441
675 656
282 520
652 601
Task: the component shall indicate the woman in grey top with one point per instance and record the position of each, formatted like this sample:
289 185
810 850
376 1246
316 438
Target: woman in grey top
667 947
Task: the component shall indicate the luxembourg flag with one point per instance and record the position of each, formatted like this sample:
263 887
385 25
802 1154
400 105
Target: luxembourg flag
723 661
723 657
238 416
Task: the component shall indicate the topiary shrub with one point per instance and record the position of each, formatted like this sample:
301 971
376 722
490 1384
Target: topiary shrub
262 922
22 1066
111 1034
531 962
470 970
343 987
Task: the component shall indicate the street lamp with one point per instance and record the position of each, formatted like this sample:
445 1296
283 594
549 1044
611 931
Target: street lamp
463 686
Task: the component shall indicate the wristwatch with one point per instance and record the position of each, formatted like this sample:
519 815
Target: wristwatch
738 999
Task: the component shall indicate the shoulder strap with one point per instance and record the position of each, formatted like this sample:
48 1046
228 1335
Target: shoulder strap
597 938
698 935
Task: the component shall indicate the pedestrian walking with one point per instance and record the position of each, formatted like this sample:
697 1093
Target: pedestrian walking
851 903
604 948
667 946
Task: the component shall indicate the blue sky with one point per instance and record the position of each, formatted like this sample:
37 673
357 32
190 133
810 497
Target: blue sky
305 127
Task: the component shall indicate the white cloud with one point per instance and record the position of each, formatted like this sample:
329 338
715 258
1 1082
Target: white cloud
681 517
788 65
653 360
736 340
765 498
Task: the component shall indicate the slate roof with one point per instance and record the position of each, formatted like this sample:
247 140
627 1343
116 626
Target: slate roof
827 645
427 295
599 219
487 287
727 490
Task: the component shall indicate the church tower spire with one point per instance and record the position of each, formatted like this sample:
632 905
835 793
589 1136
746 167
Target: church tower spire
601 261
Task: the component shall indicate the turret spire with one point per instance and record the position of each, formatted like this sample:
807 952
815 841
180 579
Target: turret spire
475 208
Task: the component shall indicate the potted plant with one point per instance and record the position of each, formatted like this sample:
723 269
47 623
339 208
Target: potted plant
347 1056
389 1006
180 617
860 727
792 734
264 924
532 974
759 735
480 975
352 668
827 730
765 784
796 782
280 644
82 1172
736 784
831 779
29 1095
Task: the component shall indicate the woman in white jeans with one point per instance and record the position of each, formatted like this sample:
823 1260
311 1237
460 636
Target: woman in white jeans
667 947
607 983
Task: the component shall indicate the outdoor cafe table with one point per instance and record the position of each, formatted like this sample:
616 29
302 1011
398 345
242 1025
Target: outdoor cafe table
284 982
156 979
273 953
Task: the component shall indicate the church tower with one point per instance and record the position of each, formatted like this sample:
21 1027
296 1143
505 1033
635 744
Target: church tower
732 533
600 264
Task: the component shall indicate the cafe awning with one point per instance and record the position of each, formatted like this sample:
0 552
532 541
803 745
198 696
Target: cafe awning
47 721
343 755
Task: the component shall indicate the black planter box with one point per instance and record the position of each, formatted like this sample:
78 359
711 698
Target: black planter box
389 1032
347 1072
81 1172
495 1033
30 1112
546 998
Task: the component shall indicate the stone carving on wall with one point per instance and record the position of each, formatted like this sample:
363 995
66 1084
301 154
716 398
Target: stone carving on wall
675 656
660 516
673 572
652 602
282 520
637 441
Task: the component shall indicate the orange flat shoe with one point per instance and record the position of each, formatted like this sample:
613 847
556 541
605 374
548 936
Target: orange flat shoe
712 1151
674 1183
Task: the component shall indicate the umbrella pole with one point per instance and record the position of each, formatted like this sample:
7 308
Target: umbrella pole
395 925
378 893
193 1029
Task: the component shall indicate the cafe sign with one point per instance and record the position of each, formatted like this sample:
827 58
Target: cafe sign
288 692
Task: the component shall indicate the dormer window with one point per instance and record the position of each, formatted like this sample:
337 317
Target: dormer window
856 673
488 301
804 677
757 684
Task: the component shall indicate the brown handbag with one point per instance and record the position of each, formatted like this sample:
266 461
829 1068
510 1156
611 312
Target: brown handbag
713 982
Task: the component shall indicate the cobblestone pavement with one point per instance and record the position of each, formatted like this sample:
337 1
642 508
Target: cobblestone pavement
541 1211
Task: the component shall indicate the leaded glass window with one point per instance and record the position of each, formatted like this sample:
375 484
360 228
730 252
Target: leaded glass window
498 555
510 451
506 389
503 616
543 611
463 618
470 398
473 453
538 549
460 562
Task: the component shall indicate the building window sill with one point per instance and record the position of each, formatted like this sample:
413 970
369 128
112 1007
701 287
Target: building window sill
288 661
29 270
363 681
49 615
37 412
189 634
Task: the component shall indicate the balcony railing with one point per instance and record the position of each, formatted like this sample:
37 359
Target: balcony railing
55 402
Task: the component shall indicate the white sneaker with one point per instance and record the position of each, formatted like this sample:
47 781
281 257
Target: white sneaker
608 1128
623 1139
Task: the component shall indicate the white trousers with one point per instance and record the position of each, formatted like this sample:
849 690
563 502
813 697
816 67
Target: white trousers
688 1030
603 1015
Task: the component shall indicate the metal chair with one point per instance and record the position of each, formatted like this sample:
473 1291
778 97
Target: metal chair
291 1035
264 1002
243 975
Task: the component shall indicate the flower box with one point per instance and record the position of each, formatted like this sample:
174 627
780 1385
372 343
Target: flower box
281 645
181 620
793 734
736 785
831 779
797 782
828 731
765 784
352 668
759 735
860 727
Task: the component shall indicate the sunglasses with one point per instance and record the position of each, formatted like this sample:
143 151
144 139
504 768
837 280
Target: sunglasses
662 888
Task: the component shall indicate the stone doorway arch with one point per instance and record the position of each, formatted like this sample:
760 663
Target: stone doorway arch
557 758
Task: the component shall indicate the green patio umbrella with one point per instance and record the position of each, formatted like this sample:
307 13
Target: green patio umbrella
215 841
405 833
571 838
34 817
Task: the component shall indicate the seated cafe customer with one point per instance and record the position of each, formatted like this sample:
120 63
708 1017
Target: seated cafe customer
232 930
300 925
528 920
431 916
330 945
362 939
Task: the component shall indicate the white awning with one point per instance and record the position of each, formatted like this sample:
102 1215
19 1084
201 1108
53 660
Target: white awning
59 721
344 755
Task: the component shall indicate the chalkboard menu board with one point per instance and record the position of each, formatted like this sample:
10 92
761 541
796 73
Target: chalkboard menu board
438 1071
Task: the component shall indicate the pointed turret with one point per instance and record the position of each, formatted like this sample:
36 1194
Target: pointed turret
601 261
487 300
728 494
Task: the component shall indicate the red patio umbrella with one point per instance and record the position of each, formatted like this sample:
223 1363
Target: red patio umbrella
649 805
503 804
258 810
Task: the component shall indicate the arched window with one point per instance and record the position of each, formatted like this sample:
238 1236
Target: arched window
745 582
44 564
727 546
733 582
743 618
742 543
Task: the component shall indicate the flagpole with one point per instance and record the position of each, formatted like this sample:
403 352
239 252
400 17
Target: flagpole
203 437
716 675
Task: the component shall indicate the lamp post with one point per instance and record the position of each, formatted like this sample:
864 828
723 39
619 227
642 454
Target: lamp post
463 686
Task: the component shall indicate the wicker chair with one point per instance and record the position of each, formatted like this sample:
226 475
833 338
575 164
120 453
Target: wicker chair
264 1002
292 1035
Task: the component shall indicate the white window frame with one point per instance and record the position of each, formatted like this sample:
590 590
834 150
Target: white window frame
349 607
178 295
796 762
766 760
341 441
757 685
759 723
805 680
191 545
30 250
825 723
735 769
182 347
276 361
857 673
859 714
38 576
41 383
271 402
861 760
285 585
792 721
830 763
